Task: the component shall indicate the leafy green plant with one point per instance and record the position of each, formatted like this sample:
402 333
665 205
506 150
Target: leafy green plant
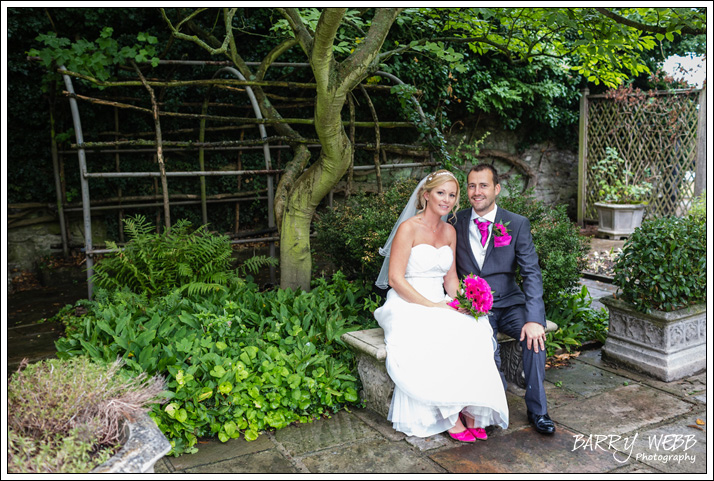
195 261
663 264
699 208
560 247
351 234
238 361
577 321
615 183
94 58
65 416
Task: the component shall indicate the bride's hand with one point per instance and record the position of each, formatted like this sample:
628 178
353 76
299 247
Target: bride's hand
443 304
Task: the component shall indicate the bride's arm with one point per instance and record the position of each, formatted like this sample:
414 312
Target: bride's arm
398 259
451 279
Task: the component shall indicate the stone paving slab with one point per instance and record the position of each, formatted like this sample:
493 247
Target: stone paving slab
517 415
675 447
371 456
526 451
213 451
379 423
268 462
621 410
693 387
340 429
557 396
584 379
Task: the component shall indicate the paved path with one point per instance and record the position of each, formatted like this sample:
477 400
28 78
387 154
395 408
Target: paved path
608 421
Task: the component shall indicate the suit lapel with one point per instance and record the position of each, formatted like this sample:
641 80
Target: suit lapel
466 239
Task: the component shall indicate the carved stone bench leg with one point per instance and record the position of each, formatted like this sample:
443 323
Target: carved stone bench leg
377 386
512 363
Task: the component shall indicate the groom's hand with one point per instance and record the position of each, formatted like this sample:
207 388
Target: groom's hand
535 334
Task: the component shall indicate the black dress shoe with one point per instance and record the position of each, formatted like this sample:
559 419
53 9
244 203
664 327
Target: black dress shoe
542 423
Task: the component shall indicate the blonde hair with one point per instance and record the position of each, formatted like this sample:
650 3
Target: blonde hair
435 180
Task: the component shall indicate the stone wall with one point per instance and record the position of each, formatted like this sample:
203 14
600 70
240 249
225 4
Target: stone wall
556 169
26 245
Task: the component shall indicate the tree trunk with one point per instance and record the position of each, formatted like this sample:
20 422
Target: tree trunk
310 188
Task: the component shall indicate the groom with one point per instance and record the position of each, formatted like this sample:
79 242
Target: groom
491 243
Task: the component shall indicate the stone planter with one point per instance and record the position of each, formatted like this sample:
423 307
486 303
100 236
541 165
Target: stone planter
617 220
665 345
143 444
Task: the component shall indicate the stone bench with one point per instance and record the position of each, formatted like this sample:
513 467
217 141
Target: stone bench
377 386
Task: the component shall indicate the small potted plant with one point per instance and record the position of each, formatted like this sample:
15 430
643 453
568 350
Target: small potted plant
622 201
658 315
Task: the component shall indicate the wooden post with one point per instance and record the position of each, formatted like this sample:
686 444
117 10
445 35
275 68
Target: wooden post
582 157
350 175
377 136
118 169
700 178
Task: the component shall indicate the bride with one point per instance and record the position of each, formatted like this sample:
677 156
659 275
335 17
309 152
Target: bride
441 361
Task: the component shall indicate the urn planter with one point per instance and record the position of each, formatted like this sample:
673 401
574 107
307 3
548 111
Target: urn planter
665 345
618 220
143 444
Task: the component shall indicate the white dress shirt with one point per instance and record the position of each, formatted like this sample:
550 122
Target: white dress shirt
475 235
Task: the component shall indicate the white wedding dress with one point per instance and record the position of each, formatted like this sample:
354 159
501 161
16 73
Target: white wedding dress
441 361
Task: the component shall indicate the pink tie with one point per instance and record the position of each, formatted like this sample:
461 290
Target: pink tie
483 229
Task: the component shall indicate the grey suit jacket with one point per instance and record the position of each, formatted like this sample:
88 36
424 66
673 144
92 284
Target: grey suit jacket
499 265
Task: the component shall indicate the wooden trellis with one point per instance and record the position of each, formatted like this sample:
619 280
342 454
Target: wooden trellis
661 135
161 145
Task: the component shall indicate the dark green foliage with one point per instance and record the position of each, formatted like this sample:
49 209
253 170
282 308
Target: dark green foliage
238 361
560 247
577 321
151 263
663 264
351 233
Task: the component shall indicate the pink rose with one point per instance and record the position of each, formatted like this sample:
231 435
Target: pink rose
455 304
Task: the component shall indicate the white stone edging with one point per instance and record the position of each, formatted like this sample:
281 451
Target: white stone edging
143 446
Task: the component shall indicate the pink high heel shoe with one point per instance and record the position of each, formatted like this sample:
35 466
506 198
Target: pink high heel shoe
464 436
477 433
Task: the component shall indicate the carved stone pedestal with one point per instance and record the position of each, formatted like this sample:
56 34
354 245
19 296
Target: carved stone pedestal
665 345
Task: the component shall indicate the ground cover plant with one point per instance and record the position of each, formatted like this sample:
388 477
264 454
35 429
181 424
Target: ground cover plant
237 360
66 416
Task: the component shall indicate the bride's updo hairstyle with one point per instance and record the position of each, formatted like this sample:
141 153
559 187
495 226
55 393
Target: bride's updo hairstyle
435 180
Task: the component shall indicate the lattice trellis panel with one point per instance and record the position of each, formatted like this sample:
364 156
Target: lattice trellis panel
657 136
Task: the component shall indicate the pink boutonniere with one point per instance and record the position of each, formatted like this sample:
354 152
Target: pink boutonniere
500 235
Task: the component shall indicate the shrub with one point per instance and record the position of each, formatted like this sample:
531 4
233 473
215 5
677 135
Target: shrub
65 416
350 234
560 247
237 361
663 264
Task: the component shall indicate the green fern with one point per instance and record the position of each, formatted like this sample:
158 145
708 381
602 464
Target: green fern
194 261
255 263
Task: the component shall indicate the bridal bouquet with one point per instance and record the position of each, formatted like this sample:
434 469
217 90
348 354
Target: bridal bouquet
474 295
